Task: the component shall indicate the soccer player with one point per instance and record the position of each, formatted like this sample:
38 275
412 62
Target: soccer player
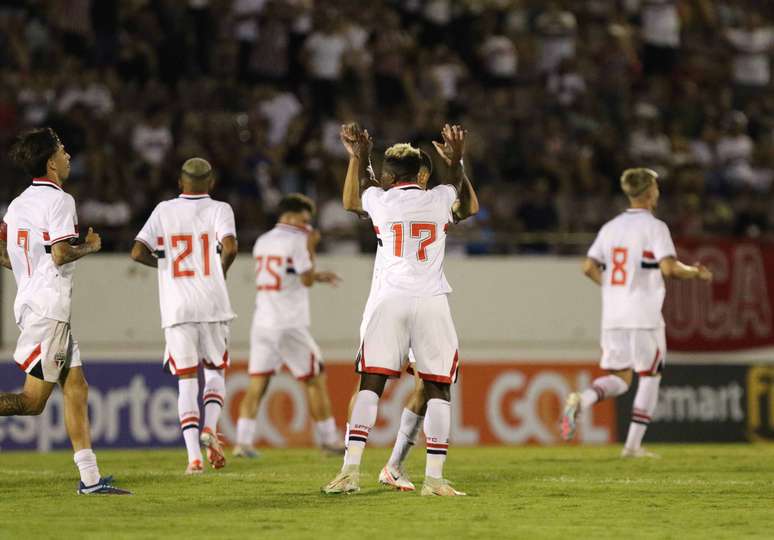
192 241
413 415
285 269
43 228
408 306
629 260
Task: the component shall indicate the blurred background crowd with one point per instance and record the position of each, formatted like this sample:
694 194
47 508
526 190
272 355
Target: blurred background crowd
558 97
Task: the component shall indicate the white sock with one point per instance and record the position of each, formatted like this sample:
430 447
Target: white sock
214 394
604 387
644 406
188 409
245 431
407 436
86 460
437 427
326 431
362 420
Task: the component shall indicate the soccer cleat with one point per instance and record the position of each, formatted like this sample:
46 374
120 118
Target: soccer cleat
195 467
333 449
395 477
439 487
245 452
103 487
638 453
570 416
347 481
215 454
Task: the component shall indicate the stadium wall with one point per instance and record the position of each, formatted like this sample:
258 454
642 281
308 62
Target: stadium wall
528 330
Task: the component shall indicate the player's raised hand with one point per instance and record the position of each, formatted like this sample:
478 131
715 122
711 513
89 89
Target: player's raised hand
705 274
93 240
453 145
331 278
349 138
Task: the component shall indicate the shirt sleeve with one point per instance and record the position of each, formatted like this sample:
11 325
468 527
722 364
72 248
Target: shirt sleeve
151 231
367 199
663 246
597 250
302 262
62 220
225 225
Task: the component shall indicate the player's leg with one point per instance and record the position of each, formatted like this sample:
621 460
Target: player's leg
651 351
434 342
322 414
182 360
264 359
213 348
30 401
617 354
385 345
248 410
411 420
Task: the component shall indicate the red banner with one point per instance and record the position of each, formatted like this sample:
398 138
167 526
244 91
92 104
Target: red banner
732 313
502 403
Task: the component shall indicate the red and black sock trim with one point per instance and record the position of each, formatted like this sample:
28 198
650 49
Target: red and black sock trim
640 417
213 397
358 435
600 392
189 422
438 449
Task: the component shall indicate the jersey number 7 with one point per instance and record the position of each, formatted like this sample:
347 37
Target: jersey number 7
426 232
187 241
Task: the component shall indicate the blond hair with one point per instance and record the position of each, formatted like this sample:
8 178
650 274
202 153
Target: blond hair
634 182
197 168
402 151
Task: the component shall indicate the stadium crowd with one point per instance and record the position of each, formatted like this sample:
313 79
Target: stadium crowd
558 98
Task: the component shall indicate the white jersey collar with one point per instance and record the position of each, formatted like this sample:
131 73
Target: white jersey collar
43 181
194 196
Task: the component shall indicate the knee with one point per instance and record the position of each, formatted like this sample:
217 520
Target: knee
434 390
33 405
374 383
77 389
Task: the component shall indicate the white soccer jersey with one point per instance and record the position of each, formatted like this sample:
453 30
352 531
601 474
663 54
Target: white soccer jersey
631 246
410 223
41 216
185 232
281 256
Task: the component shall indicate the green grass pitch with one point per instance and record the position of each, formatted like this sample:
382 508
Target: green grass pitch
694 491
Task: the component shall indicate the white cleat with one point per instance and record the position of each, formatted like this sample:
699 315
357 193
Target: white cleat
211 444
396 478
638 453
242 451
570 416
347 481
439 487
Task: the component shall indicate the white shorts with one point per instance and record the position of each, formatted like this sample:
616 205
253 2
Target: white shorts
271 348
190 343
643 350
421 324
45 348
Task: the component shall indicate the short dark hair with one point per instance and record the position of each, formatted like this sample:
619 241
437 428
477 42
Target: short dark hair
402 161
295 202
32 149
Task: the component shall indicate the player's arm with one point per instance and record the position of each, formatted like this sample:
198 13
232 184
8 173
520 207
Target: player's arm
592 269
672 268
467 201
451 150
311 276
143 255
62 252
228 252
360 173
5 261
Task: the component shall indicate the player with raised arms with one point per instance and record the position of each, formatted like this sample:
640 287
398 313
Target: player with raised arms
629 259
408 306
42 226
285 269
393 473
192 241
